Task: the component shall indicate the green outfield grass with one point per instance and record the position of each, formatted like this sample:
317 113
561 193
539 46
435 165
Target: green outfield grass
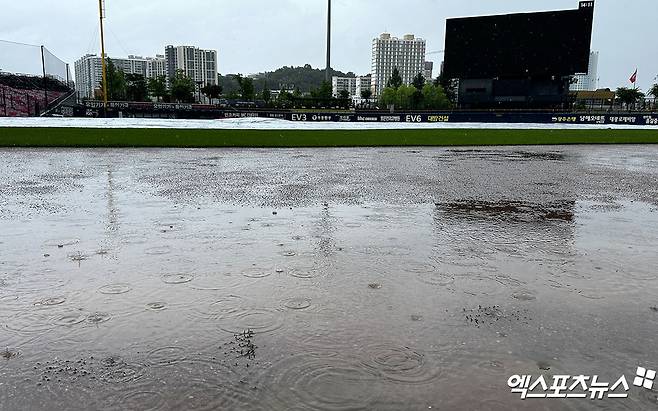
103 137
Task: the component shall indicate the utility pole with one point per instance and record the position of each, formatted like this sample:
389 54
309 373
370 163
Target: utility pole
101 10
328 71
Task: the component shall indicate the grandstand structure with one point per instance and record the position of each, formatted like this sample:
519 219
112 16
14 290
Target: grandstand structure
32 80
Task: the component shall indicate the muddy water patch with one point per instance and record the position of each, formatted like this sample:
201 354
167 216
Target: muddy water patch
82 371
502 156
496 316
116 370
9 354
520 210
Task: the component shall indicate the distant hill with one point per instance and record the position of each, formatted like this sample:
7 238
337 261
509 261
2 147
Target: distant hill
304 78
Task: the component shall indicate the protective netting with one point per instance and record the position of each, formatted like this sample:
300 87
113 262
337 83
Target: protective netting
20 58
55 67
24 91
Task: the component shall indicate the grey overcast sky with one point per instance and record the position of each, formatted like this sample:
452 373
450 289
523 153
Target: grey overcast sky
258 35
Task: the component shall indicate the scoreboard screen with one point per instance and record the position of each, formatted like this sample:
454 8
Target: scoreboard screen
544 44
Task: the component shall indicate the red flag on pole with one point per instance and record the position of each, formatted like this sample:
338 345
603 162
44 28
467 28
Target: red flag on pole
634 77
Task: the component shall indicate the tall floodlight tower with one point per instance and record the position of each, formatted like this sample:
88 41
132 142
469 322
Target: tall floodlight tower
101 11
328 70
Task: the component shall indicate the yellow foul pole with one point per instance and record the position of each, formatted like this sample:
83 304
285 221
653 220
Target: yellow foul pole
101 10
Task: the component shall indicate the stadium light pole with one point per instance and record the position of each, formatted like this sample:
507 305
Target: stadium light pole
328 70
101 10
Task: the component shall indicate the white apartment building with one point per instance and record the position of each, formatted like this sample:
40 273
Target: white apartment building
588 81
406 54
156 67
88 75
198 64
89 70
428 73
353 85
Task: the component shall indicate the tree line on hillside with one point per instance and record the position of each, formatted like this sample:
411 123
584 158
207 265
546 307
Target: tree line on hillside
303 80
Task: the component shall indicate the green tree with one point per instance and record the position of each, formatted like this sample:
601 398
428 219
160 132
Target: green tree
284 99
230 86
212 91
434 98
419 82
396 80
366 94
158 87
388 97
344 95
653 92
266 95
116 83
247 91
324 92
417 99
405 97
182 87
449 86
296 97
629 96
136 87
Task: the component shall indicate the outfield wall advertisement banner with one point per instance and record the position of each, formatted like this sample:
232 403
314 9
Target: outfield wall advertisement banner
195 111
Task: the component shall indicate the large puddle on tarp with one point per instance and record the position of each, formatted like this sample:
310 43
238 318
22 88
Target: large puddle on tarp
324 279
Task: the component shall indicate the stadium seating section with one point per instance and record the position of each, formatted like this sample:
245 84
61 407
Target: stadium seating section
23 96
